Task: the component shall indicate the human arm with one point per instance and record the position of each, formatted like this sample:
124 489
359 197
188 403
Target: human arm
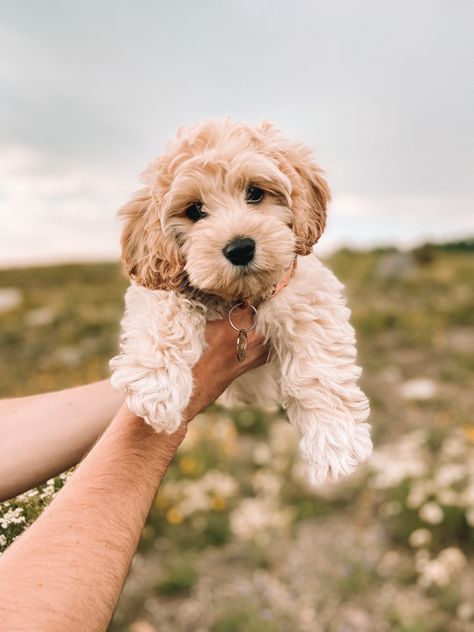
67 570
43 435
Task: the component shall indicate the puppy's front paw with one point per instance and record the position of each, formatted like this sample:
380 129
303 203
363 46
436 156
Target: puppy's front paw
149 394
333 449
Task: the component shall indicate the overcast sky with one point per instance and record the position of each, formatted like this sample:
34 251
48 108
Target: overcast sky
90 90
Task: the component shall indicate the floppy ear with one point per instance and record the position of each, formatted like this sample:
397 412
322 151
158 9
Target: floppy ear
150 257
310 191
311 197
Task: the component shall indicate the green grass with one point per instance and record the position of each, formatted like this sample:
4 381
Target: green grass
414 321
178 579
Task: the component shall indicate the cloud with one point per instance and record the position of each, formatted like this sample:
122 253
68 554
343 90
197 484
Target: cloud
91 91
60 214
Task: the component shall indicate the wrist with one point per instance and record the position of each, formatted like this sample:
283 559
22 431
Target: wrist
157 449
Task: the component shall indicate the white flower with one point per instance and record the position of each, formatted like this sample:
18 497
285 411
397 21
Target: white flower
468 494
191 496
448 497
432 513
255 518
283 438
12 516
3 540
453 559
450 473
465 611
262 454
453 446
265 483
441 569
394 463
420 537
434 573
470 516
419 492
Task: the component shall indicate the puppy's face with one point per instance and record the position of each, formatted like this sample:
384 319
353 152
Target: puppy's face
227 207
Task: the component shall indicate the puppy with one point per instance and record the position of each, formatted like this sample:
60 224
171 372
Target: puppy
224 215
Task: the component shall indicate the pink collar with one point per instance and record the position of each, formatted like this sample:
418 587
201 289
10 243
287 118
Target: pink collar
278 287
286 278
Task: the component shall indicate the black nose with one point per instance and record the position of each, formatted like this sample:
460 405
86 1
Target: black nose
240 251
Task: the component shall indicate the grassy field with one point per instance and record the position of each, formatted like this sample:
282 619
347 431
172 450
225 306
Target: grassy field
236 540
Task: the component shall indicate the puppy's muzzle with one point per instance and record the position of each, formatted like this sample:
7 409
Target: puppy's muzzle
240 251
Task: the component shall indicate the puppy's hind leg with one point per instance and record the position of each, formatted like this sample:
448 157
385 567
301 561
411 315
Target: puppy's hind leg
162 339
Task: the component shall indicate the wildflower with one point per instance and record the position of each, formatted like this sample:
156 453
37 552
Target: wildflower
450 473
188 465
283 438
470 516
419 538
12 516
262 454
448 497
432 513
254 518
3 541
453 558
218 503
191 496
266 483
174 516
434 573
419 492
397 462
469 432
441 569
453 446
464 611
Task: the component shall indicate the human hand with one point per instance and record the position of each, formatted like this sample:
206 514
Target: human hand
218 366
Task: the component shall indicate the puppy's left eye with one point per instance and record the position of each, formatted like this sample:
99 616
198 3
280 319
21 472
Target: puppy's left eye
254 195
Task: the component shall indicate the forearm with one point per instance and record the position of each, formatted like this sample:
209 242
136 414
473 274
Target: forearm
66 571
45 434
85 541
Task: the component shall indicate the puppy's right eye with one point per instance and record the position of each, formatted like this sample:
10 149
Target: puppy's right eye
195 212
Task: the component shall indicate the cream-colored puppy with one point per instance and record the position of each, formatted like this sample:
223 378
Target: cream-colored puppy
222 216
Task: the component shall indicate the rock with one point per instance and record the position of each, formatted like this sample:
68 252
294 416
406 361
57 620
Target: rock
420 389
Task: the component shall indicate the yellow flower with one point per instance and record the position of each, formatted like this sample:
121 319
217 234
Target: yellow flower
174 516
148 532
218 503
161 501
469 432
188 465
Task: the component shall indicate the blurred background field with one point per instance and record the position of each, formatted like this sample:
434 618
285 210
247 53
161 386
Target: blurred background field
236 540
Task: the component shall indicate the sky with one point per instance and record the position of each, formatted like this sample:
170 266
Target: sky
90 92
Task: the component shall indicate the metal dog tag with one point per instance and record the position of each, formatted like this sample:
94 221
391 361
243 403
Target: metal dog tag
242 337
241 345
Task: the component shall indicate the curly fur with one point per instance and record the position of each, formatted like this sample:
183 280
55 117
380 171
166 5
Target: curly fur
181 279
